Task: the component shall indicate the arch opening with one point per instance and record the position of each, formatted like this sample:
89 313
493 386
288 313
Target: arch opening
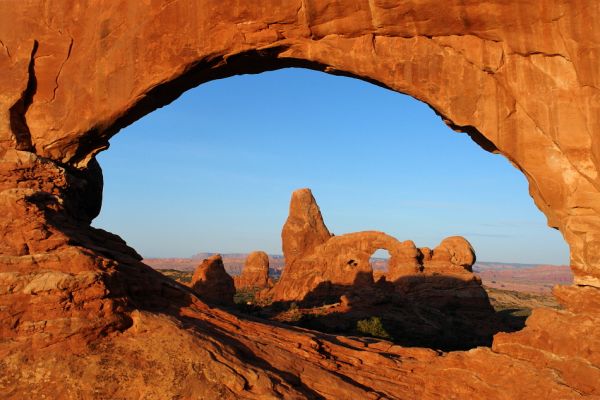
520 75
248 199
379 261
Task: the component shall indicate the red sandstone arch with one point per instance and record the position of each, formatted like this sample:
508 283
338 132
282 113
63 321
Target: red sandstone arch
519 77
343 260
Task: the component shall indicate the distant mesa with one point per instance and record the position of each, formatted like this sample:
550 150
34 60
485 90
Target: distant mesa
212 284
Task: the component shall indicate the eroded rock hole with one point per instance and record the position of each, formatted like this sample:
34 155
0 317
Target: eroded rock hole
379 262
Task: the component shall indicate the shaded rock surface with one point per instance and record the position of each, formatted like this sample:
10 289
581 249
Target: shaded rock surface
255 273
81 316
211 283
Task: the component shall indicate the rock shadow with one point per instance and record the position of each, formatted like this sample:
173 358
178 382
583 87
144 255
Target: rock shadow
422 311
436 311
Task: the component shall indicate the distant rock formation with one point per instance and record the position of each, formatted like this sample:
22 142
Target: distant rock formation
322 266
212 284
428 297
255 273
454 251
304 228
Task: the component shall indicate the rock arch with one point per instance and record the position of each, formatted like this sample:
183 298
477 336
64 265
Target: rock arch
320 267
520 78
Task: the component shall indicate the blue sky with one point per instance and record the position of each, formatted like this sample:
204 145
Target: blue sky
214 170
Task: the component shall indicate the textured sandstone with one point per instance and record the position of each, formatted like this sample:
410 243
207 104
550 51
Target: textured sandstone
536 101
454 250
521 78
255 273
304 228
211 283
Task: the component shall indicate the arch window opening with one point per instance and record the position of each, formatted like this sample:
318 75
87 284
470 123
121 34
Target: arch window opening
379 262
213 173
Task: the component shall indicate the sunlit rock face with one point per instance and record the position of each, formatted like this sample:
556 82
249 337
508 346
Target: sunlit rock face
255 274
430 297
520 78
322 267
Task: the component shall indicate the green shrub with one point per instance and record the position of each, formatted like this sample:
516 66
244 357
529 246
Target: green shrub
244 296
372 327
294 313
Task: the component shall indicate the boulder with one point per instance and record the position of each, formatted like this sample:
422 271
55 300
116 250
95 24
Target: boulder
211 283
454 252
255 273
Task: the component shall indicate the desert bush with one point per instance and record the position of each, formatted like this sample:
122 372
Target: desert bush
176 275
294 313
244 296
372 327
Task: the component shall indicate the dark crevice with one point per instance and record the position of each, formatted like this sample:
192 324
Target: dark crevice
477 137
5 48
60 69
18 121
540 53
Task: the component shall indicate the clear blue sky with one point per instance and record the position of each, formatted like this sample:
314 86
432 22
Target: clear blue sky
214 170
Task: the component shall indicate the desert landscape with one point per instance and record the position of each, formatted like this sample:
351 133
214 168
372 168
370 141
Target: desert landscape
513 287
84 316
527 278
507 293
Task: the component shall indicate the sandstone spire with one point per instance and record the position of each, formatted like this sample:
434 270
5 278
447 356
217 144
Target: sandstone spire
304 228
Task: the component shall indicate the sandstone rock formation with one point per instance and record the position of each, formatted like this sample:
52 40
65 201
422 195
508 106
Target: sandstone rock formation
211 283
255 273
430 296
454 250
304 228
325 267
78 309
